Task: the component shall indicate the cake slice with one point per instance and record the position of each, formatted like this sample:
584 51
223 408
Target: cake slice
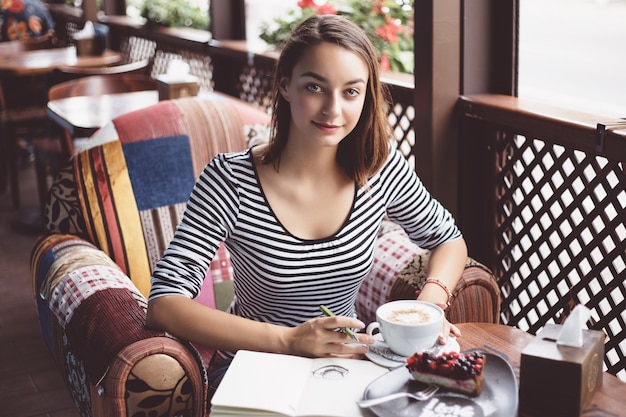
460 372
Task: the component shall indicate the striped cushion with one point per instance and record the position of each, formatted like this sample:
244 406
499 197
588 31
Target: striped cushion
110 211
213 127
159 225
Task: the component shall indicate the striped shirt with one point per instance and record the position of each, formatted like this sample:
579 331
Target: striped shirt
280 278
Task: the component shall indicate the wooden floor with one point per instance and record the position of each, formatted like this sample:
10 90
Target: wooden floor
30 382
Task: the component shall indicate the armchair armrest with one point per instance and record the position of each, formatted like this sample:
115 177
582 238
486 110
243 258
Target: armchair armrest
400 269
476 297
93 320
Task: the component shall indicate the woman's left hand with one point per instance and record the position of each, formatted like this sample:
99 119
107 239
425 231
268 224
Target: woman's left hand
449 329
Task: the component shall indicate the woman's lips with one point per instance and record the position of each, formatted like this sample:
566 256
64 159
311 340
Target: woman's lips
326 127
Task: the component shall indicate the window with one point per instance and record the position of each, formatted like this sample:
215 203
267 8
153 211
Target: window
571 54
388 24
175 13
259 11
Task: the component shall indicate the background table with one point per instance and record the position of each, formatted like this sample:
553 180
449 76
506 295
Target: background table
83 115
508 342
45 61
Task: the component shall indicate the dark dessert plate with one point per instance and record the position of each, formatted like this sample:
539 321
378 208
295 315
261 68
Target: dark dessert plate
498 398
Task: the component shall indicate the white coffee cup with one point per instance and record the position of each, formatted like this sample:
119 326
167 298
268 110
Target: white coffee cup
408 326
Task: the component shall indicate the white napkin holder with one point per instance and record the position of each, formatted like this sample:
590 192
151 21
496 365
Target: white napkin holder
92 39
177 82
84 40
561 368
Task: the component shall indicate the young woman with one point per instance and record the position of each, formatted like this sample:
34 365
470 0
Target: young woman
300 215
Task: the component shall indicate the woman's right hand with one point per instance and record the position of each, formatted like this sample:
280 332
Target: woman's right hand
313 338
319 337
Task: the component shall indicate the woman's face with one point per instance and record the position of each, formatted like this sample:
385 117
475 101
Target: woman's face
326 93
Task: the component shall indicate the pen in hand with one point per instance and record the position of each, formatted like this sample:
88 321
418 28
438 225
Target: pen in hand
346 330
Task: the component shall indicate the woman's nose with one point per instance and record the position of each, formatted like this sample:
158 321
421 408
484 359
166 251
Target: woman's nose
332 106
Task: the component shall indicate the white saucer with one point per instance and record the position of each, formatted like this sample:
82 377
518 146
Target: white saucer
381 354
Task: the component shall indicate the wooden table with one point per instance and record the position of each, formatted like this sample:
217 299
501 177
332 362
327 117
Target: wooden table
45 61
508 342
83 115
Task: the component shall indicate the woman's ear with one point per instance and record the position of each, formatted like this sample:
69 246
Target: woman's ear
282 88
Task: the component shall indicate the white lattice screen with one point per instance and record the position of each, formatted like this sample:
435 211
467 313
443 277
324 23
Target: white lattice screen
561 239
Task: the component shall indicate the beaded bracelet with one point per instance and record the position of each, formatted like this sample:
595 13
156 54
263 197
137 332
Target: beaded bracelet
442 285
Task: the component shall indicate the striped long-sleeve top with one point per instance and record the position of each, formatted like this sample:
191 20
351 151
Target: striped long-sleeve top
280 278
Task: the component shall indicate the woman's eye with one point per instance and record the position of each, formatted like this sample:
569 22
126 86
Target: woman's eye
314 88
352 92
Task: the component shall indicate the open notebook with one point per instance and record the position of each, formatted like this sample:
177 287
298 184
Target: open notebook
268 384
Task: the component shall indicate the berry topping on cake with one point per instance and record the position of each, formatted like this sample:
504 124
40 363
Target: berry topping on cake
461 372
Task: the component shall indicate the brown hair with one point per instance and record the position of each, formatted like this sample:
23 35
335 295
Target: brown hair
363 152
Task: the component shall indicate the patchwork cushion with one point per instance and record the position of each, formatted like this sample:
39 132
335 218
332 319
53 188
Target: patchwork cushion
110 211
47 264
67 292
127 190
160 171
213 126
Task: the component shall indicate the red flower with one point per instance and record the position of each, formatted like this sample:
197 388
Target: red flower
390 31
385 65
378 7
326 8
307 4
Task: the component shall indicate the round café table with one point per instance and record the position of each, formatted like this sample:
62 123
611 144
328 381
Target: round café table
508 342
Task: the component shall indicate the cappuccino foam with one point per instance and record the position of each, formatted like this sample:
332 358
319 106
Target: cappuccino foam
409 316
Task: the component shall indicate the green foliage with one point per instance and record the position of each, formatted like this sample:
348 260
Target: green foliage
388 24
175 13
